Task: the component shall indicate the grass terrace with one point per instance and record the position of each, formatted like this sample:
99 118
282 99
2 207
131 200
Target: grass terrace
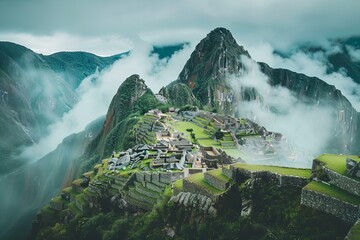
198 179
48 210
198 131
178 184
74 209
70 190
217 173
336 162
333 192
299 172
355 231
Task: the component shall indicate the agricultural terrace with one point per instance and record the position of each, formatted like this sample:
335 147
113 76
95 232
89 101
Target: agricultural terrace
333 191
335 162
204 139
299 172
199 180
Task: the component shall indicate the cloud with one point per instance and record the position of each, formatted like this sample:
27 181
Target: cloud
48 44
311 64
354 53
308 128
280 22
97 91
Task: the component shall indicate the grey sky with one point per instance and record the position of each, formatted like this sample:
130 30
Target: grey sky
110 26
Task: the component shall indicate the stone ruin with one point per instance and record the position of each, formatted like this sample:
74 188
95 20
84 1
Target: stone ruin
352 168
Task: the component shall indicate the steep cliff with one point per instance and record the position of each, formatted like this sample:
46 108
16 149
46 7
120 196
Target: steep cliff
132 99
35 91
218 58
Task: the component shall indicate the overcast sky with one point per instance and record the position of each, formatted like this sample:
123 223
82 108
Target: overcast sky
110 26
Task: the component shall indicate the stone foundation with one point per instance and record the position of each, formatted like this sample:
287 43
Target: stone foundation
346 211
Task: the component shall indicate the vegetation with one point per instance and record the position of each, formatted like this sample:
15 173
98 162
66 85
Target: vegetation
333 191
218 174
306 173
336 162
199 180
276 214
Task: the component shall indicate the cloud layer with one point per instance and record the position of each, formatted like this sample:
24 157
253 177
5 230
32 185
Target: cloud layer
97 90
279 22
280 111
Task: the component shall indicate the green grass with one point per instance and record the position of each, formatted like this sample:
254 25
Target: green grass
81 199
57 199
217 173
73 208
178 184
208 142
199 180
335 162
280 170
333 192
48 210
198 131
355 232
77 182
233 152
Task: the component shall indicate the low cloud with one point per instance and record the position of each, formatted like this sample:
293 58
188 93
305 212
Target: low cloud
354 53
314 65
48 44
308 128
97 91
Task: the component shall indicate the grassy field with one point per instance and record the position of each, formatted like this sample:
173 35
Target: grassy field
333 192
335 162
199 180
178 184
182 126
218 175
280 170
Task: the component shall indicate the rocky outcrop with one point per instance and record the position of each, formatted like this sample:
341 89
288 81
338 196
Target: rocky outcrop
197 201
179 95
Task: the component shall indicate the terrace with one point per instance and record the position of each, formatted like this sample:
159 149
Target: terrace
333 191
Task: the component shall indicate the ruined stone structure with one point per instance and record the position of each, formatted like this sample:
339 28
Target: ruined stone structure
343 210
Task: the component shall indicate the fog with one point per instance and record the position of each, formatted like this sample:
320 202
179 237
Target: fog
96 91
308 128
314 65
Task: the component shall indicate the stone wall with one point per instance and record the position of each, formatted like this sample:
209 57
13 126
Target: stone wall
57 205
163 177
343 210
354 232
282 180
198 201
344 182
213 181
227 172
193 188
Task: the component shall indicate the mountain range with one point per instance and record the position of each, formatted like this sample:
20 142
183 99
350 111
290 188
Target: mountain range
36 90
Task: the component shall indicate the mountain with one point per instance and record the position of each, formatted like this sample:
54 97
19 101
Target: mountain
132 99
205 72
31 186
218 56
345 57
35 91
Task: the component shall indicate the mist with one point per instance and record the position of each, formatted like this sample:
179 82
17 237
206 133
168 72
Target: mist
314 65
96 91
307 128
